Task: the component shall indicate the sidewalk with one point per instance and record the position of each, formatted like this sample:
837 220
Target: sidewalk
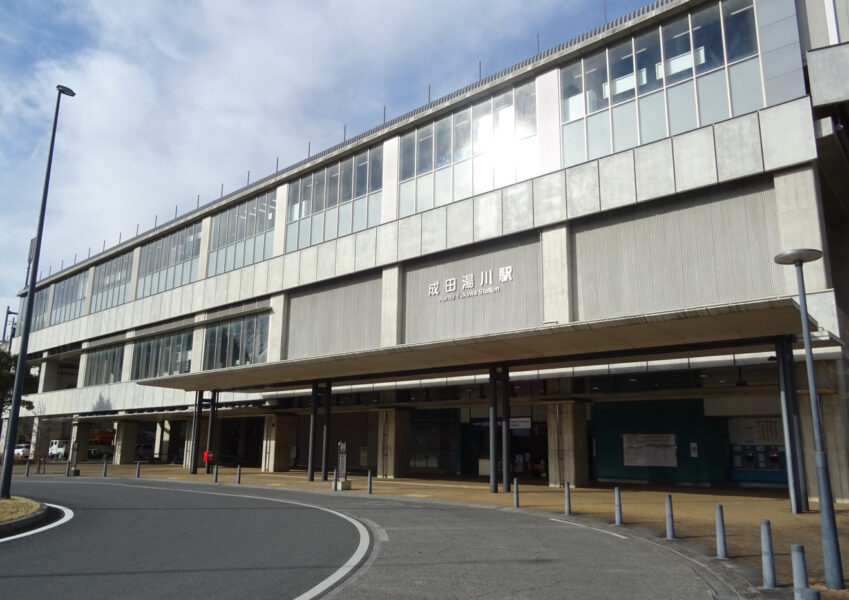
642 506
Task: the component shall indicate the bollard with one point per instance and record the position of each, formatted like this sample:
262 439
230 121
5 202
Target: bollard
68 469
239 474
800 570
104 467
335 480
617 496
138 469
27 471
369 481
567 509
515 492
721 548
670 519
215 476
767 558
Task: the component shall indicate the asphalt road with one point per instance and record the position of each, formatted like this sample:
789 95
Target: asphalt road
157 539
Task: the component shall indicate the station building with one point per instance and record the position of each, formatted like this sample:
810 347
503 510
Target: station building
562 272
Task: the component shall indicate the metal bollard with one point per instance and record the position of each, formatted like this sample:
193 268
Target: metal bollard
800 570
369 481
721 547
617 497
68 469
138 469
239 474
104 467
567 493
335 480
767 558
515 492
27 471
670 519
215 476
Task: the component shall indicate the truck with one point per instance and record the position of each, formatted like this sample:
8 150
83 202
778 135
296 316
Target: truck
58 449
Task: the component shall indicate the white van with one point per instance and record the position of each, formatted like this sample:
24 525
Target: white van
58 449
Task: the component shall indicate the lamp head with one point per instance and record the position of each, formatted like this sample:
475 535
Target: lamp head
791 257
65 90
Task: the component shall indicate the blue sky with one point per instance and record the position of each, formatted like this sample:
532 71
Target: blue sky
175 99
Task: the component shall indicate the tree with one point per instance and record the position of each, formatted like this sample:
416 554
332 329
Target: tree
7 382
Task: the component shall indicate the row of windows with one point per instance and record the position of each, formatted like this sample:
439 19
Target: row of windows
643 89
162 355
169 262
39 311
236 342
242 235
69 298
104 366
111 284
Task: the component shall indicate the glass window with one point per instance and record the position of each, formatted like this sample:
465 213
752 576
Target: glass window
330 223
443 142
649 68
676 50
424 149
707 38
442 187
526 110
504 125
462 135
318 191
374 208
482 127
713 97
251 225
345 211
462 180
291 237
482 173
424 192
241 224
407 199
746 93
624 126
261 217
622 83
332 192
740 37
595 80
360 214
304 233
317 234
375 169
598 135
408 156
682 108
573 143
360 174
346 180
571 92
652 118
306 196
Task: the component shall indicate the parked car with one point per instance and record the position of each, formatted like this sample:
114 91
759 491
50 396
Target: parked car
58 449
21 451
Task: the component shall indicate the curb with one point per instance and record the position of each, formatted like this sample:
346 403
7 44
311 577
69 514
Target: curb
24 523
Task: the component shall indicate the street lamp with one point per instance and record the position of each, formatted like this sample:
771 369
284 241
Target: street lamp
830 543
20 370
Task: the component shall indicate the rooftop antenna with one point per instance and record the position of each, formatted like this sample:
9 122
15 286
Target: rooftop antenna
198 204
345 132
384 114
428 93
277 165
537 44
480 70
249 177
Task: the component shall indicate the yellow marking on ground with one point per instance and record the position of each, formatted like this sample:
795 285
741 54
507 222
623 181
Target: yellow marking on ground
418 495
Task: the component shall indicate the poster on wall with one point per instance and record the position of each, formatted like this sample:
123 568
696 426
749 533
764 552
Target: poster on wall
649 450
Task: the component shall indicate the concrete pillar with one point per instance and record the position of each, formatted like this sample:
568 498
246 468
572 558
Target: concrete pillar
162 440
134 273
393 443
80 434
126 435
567 444
556 275
39 439
280 220
390 306
187 453
205 228
279 435
278 325
83 366
48 376
127 364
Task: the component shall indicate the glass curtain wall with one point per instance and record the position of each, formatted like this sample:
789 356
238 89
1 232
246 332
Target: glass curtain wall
169 262
340 199
39 311
470 151
104 366
162 355
111 282
688 72
69 298
242 235
236 342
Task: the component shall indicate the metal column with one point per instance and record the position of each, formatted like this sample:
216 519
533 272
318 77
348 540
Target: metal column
193 459
493 421
313 411
325 449
210 432
797 484
506 462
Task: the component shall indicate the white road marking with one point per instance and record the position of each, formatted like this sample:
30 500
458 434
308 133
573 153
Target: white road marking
380 531
616 535
67 516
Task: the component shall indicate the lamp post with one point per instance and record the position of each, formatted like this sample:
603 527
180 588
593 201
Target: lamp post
20 370
830 542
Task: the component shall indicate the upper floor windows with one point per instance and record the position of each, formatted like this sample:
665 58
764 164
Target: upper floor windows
335 201
237 342
39 311
69 298
111 285
104 366
468 152
162 355
694 70
242 235
169 262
